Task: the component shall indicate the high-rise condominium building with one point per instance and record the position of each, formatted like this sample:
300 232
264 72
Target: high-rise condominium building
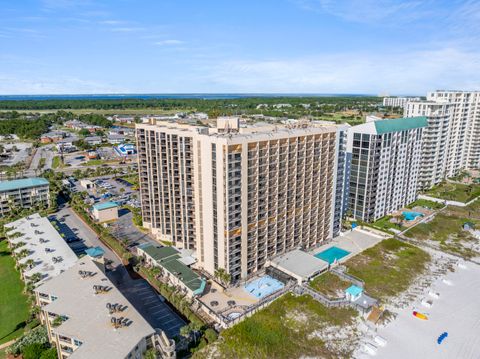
398 101
452 138
239 195
385 164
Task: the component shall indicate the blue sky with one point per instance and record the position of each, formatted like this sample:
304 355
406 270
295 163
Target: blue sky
211 46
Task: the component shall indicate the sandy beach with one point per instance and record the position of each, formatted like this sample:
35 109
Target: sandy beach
456 311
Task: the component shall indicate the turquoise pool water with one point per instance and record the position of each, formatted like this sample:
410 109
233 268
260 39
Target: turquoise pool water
263 286
410 216
331 254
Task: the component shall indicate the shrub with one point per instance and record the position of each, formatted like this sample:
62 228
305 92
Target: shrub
38 335
49 354
33 351
211 335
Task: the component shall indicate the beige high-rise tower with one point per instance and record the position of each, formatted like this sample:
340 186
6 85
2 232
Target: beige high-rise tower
239 195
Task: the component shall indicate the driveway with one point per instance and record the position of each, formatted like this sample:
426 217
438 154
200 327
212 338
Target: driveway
124 228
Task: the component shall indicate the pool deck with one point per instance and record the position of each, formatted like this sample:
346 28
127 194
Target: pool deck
355 242
238 294
425 211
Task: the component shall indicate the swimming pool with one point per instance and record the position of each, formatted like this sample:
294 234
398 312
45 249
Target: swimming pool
331 254
411 216
263 286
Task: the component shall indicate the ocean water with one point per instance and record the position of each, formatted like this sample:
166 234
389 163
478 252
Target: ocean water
205 96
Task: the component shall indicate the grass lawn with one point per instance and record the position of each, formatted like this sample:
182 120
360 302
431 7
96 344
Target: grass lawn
389 267
330 285
98 163
446 228
283 330
385 224
56 162
425 203
14 308
455 191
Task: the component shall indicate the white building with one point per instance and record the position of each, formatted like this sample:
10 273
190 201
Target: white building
88 317
398 101
385 164
452 138
39 249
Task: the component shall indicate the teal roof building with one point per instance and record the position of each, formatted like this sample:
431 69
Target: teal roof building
24 193
22 184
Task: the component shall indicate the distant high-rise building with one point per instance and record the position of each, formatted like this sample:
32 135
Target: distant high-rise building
452 138
398 101
385 164
241 195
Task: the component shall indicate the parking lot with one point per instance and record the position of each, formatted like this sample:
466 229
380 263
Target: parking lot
152 307
113 189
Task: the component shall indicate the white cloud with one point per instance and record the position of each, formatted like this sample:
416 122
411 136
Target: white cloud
112 22
127 29
169 42
397 73
64 85
370 11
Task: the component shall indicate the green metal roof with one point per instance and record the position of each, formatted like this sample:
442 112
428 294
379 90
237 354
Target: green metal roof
158 253
400 124
168 258
104 205
22 183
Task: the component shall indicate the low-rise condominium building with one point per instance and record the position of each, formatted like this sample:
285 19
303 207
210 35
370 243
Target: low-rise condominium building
87 317
23 193
40 251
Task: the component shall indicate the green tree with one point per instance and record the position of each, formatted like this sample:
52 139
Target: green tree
150 354
84 132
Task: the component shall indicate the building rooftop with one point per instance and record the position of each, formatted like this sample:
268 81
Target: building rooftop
49 251
400 124
92 138
253 131
104 205
171 259
22 183
299 263
377 125
89 320
95 252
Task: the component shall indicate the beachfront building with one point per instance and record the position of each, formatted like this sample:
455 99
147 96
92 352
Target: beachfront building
104 212
40 251
452 138
385 165
238 195
87 317
398 101
23 193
